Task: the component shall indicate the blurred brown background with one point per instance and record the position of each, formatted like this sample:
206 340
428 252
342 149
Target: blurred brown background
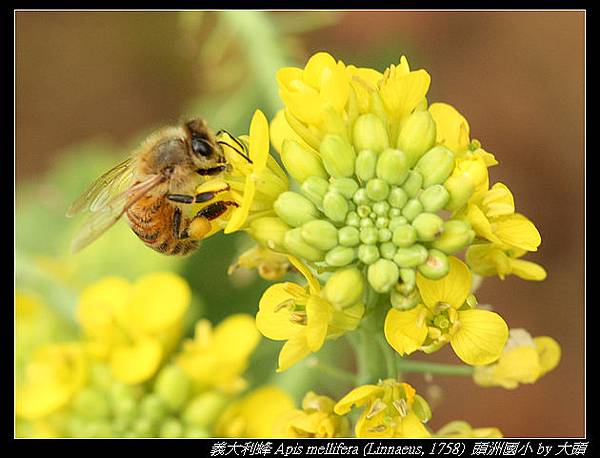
518 77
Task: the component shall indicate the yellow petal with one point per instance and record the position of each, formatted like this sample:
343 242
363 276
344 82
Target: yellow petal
240 214
316 66
480 338
452 127
480 224
239 328
136 363
549 353
411 427
358 396
313 283
159 301
259 141
518 365
318 312
453 289
516 230
405 331
293 351
280 130
273 322
498 201
99 301
527 270
335 87
402 93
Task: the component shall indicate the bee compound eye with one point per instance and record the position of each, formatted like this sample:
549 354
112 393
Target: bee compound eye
201 147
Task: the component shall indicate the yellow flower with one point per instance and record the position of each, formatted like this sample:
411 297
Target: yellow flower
270 265
523 360
462 429
217 358
489 259
476 336
255 186
255 415
315 419
391 409
53 377
133 326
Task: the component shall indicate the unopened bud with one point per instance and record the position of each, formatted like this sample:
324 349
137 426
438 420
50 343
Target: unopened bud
296 245
460 189
408 279
173 387
204 409
295 209
435 166
384 235
335 206
398 198
392 166
387 250
315 189
456 235
361 197
412 209
381 208
338 156
377 189
347 187
370 133
421 409
352 219
349 236
369 235
404 236
91 404
368 254
171 429
396 222
340 256
436 266
269 231
404 302
417 135
411 256
366 161
300 162
320 233
434 198
383 275
428 226
344 288
413 183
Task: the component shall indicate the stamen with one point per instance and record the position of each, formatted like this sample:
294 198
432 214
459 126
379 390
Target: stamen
377 407
401 406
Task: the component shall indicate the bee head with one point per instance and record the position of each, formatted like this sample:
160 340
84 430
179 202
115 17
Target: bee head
202 143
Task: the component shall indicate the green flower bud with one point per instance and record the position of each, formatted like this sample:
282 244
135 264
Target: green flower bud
409 279
396 222
363 211
404 302
142 427
460 190
436 266
413 183
335 206
368 254
315 189
377 189
340 256
366 222
395 212
428 226
383 275
387 250
381 208
417 135
171 428
369 133
352 219
152 407
320 233
382 222
398 198
269 231
456 235
344 288
295 209
300 162
204 409
366 161
404 236
338 156
361 197
91 404
349 236
296 245
384 235
421 409
434 198
347 187
369 235
392 166
411 256
173 387
412 209
125 408
435 166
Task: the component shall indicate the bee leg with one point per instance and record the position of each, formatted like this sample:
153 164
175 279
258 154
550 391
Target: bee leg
200 224
213 170
177 225
198 198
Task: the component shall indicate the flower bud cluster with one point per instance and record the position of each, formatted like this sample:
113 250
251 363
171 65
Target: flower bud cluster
374 204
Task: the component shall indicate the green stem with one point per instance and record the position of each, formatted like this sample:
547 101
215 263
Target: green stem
334 372
405 365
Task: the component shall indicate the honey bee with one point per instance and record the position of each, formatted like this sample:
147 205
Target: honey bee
155 184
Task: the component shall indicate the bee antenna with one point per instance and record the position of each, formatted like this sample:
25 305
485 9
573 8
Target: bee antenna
240 144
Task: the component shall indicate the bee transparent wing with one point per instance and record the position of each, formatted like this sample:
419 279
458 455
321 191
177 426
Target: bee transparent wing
110 184
104 217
